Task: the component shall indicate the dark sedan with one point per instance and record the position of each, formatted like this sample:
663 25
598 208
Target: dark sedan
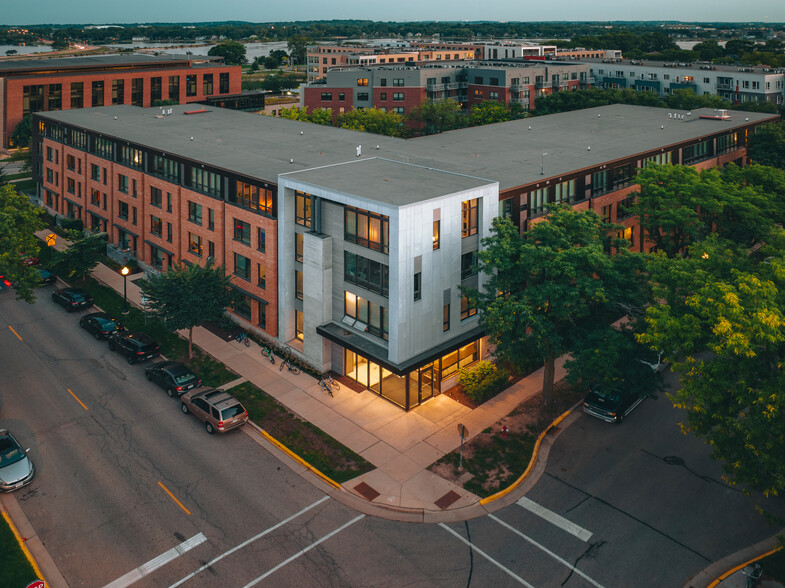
100 325
135 346
47 277
172 376
72 298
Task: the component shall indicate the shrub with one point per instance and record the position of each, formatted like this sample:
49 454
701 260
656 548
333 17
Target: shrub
72 224
482 381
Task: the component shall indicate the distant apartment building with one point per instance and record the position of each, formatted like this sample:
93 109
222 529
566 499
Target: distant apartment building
737 84
400 89
514 50
41 85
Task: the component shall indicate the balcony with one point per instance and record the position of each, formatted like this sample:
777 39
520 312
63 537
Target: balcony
542 84
434 87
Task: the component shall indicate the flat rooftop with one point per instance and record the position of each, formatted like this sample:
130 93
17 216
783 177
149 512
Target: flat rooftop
19 66
514 153
384 180
686 66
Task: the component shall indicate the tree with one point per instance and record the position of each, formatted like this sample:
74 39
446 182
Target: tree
722 325
188 296
23 133
81 257
438 116
232 52
371 120
552 286
488 112
767 145
708 50
19 220
298 48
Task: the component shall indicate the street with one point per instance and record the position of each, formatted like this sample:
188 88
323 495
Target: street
130 491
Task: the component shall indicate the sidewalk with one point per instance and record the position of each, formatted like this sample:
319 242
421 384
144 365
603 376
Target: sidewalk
400 444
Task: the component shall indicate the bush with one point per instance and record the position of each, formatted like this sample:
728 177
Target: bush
483 381
72 224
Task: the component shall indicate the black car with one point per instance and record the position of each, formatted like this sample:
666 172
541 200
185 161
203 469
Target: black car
135 346
172 376
72 298
100 324
611 406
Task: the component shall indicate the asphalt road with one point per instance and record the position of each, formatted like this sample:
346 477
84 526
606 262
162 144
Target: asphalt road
128 490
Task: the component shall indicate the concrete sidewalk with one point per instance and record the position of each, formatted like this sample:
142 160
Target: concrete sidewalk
400 444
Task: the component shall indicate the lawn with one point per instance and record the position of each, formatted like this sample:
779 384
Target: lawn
15 570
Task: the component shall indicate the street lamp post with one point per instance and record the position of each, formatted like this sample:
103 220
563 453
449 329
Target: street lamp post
125 271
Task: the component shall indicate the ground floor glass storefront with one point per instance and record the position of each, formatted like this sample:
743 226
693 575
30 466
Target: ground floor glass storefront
418 385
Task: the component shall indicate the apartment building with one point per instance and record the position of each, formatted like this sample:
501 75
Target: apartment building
401 88
36 85
737 84
350 247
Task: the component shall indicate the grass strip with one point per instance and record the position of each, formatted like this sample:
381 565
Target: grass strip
15 570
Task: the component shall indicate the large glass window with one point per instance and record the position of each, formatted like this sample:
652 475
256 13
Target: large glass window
103 147
32 99
205 181
459 359
207 84
156 197
156 90
242 232
174 88
223 83
298 284
118 91
612 179
190 85
368 229
469 217
77 94
165 168
156 226
366 273
365 315
253 197
137 92
437 226
195 212
98 93
130 156
195 243
54 100
122 183
242 267
468 264
302 212
468 310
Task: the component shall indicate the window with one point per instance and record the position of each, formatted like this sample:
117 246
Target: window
493 95
261 275
242 267
399 110
195 243
327 96
103 148
302 215
156 89
156 197
190 85
95 197
366 315
70 162
156 226
362 96
418 286
168 202
461 358
397 82
122 210
169 232
468 264
211 249
624 208
133 215
122 183
243 306
493 82
49 153
383 82
242 232
467 309
446 318
165 168
137 91
71 183
130 156
253 197
368 229
174 88
298 247
77 94
383 96
298 284
206 182
97 93
362 81
195 213
366 273
54 100
298 325
564 191
469 221
156 257
262 315
398 96
207 84
436 233
210 219
260 239
223 83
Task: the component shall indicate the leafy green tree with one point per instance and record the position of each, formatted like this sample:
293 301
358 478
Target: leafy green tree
438 116
687 99
22 135
488 112
708 50
321 116
738 47
298 48
232 52
19 220
279 82
767 145
78 260
552 286
371 120
189 295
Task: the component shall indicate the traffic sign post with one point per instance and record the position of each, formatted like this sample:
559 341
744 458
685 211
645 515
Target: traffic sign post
51 238
37 584
463 432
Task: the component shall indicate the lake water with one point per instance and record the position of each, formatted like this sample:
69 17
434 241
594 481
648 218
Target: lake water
252 50
26 49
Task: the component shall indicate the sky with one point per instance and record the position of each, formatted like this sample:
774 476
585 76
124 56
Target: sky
28 12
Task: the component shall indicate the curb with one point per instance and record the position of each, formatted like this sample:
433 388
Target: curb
532 462
742 566
23 546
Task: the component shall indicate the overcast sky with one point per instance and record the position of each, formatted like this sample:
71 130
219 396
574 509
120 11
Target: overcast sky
21 12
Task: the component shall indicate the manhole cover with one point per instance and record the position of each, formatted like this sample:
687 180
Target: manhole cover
673 460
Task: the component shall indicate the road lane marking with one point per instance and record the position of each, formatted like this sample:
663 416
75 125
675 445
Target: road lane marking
251 540
173 497
158 562
15 333
546 550
555 519
488 557
303 551
76 398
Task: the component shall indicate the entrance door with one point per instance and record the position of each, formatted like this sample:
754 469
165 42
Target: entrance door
426 382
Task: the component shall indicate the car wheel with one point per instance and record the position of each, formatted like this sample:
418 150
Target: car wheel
112 346
620 419
170 392
209 428
82 324
148 375
97 336
130 360
184 408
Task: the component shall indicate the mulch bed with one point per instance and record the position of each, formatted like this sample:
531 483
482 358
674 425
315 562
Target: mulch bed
221 332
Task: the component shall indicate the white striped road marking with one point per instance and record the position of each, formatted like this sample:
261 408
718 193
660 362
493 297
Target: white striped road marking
488 557
302 552
160 561
555 519
546 550
251 540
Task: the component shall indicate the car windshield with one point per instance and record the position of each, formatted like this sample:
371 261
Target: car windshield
183 378
107 324
77 296
232 412
10 452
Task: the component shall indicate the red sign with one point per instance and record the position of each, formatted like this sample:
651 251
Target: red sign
37 584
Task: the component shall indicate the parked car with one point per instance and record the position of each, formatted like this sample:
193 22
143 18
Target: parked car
135 346
72 298
47 277
172 376
16 469
217 409
4 283
611 405
100 324
32 260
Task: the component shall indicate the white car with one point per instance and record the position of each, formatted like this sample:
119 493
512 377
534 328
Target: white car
16 469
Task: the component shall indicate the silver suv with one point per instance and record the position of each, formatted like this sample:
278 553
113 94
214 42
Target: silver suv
217 409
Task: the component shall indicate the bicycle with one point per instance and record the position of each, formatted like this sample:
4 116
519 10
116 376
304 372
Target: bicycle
324 386
243 338
289 365
753 577
268 353
329 383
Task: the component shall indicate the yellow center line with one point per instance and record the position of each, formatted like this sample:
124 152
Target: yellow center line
172 496
14 332
76 398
